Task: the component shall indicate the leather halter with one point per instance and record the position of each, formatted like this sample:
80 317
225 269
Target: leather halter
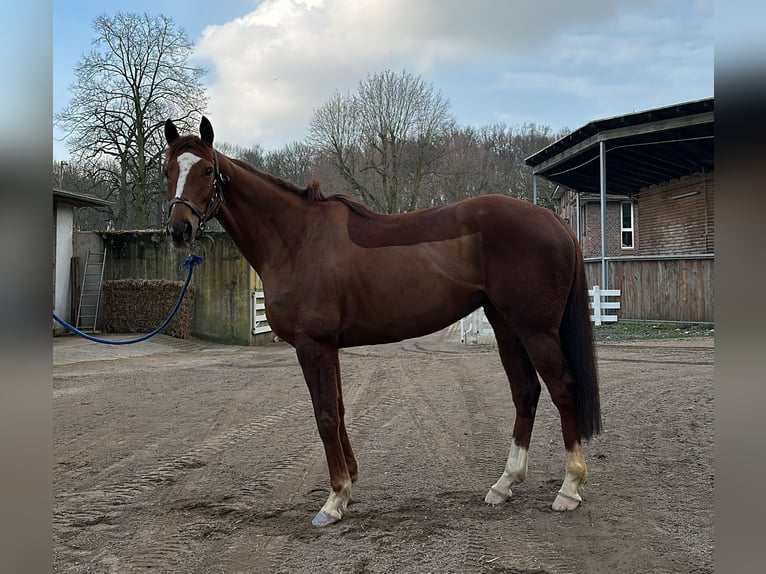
213 204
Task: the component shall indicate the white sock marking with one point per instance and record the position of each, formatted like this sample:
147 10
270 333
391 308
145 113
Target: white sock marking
576 472
338 501
515 470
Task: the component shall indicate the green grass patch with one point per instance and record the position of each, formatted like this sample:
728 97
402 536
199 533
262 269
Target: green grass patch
636 330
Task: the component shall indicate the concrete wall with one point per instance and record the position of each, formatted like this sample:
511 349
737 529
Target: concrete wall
225 282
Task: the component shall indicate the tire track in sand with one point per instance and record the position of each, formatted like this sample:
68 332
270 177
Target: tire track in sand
104 505
485 430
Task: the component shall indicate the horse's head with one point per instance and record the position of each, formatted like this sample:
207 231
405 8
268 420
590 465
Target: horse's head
195 184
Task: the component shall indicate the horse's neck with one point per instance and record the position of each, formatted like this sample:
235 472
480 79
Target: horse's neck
262 219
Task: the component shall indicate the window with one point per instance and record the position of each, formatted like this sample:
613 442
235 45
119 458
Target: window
627 225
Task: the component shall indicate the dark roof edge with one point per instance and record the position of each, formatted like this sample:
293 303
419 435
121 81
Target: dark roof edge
80 199
647 117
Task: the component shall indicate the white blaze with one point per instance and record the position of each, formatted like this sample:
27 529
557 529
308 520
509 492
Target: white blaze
185 162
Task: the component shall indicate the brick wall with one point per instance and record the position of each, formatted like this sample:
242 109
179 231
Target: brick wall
590 223
674 218
677 217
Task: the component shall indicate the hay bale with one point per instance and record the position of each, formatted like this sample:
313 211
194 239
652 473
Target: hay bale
141 305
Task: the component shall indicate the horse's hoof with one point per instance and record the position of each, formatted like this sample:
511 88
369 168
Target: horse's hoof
495 497
324 519
565 502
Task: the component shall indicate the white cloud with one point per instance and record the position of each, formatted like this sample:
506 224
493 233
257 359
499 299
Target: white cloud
273 66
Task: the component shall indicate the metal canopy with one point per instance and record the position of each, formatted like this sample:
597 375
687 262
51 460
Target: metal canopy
641 149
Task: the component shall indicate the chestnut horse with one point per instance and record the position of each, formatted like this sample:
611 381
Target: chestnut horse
336 274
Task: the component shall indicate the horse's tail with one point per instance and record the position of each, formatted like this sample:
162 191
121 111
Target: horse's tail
577 344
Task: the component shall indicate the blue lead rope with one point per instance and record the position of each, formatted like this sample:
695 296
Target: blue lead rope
189 263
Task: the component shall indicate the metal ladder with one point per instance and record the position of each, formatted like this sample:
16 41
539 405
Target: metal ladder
90 292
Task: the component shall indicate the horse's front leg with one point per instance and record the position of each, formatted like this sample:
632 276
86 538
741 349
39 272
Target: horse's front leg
348 452
320 369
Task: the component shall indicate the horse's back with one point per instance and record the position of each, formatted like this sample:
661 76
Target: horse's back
515 222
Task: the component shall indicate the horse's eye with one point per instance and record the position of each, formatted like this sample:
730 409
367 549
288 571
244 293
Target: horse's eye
209 171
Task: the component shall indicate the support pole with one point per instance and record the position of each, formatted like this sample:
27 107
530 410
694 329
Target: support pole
602 162
577 211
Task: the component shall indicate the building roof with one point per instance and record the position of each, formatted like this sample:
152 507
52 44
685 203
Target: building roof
79 199
642 149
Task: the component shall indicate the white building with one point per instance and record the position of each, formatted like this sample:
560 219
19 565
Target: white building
64 204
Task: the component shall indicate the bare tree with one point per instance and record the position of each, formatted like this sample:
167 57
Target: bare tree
466 168
333 129
511 146
490 159
385 139
253 155
136 76
294 161
76 177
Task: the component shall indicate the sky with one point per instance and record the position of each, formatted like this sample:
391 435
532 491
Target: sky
555 63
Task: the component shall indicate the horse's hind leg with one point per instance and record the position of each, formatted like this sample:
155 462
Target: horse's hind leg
545 351
525 389
319 363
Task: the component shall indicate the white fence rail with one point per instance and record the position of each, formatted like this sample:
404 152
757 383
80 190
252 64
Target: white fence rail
601 306
260 324
475 329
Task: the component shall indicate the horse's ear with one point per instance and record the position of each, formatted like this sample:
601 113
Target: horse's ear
171 133
206 130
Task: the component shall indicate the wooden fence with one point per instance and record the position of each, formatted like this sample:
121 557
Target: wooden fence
226 307
662 288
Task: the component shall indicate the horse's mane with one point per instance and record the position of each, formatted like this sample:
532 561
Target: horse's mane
353 204
312 192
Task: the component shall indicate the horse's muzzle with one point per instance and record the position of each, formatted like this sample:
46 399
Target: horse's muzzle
182 227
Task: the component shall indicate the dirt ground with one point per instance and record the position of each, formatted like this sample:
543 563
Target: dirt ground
187 456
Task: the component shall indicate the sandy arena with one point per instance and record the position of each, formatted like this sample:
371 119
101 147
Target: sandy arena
192 457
